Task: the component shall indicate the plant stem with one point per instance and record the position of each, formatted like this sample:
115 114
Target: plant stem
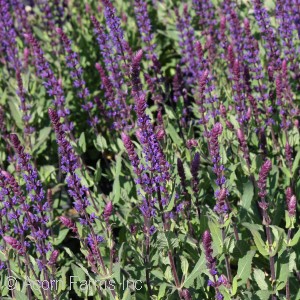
227 259
170 254
287 288
147 256
270 242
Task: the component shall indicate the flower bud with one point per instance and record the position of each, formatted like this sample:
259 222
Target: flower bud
108 211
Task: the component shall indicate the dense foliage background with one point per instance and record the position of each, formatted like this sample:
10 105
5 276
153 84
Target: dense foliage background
149 149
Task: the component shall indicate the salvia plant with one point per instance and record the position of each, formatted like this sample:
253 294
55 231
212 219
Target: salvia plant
149 149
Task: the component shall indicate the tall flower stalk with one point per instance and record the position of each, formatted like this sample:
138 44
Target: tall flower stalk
50 82
8 36
78 192
76 74
155 172
211 264
268 33
263 204
186 44
118 108
144 26
37 217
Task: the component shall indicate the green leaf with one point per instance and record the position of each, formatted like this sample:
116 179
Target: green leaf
78 272
259 277
20 295
158 274
295 239
264 295
296 162
282 270
61 236
16 113
44 134
248 193
46 171
168 274
126 295
234 285
70 253
78 281
82 142
259 243
100 143
171 204
257 238
288 220
244 267
2 256
116 186
240 248
292 262
184 265
173 134
198 270
117 266
170 112
167 240
162 291
216 234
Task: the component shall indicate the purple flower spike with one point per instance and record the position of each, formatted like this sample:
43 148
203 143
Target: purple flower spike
116 34
135 72
53 258
76 73
251 53
51 83
268 34
15 244
68 223
116 97
206 14
286 28
185 294
239 95
135 161
218 169
144 26
291 202
195 165
8 35
181 173
288 194
236 32
69 165
30 176
262 180
186 45
178 84
292 206
211 262
108 211
243 145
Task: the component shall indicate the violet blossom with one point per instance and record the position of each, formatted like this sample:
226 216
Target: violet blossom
144 26
186 44
218 169
119 110
268 34
76 73
51 83
211 264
